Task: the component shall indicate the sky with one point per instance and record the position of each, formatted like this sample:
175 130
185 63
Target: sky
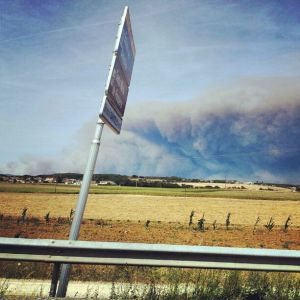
214 93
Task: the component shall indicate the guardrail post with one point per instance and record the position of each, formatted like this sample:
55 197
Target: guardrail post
54 279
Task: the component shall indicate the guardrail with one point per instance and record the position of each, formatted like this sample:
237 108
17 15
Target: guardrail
159 255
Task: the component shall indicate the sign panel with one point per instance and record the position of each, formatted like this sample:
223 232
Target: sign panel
110 117
126 49
117 89
117 86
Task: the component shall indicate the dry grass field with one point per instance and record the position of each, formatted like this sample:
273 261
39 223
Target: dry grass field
154 208
126 215
248 186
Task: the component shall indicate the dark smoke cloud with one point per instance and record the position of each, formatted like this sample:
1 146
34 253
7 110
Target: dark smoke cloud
247 130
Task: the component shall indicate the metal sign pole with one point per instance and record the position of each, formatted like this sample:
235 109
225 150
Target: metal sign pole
81 202
111 112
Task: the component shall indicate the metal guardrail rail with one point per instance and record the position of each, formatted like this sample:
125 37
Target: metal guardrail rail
159 255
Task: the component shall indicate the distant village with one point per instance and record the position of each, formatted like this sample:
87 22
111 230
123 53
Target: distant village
63 179
42 179
141 181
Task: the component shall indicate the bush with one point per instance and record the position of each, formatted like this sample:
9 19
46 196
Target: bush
47 217
227 223
201 223
287 223
270 224
191 217
23 215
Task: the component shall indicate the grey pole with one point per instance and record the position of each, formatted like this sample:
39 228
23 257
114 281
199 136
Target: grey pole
81 202
54 279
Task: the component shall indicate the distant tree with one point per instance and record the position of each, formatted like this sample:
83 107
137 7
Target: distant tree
59 179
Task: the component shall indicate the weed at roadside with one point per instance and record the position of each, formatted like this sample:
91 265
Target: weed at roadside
3 288
211 285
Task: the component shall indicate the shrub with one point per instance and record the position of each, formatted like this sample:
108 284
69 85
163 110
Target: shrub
71 215
256 222
201 223
47 217
35 221
287 223
61 220
191 217
270 224
101 223
18 234
228 221
23 215
214 224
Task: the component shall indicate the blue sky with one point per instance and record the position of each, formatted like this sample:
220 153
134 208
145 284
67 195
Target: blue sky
214 91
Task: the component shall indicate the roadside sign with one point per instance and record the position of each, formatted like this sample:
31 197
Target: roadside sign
125 49
117 86
110 117
111 113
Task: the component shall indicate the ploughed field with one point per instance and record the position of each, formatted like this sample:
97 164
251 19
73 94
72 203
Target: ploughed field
155 232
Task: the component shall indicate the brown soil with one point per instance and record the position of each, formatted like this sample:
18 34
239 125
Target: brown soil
129 231
156 232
